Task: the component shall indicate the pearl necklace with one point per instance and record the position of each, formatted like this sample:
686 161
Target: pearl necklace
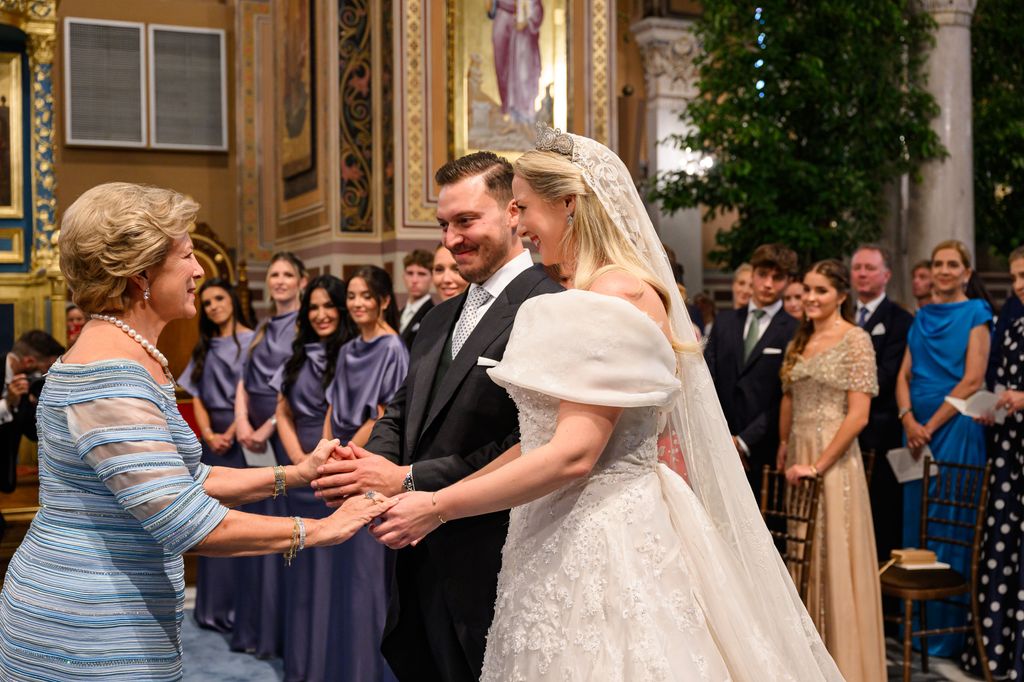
127 329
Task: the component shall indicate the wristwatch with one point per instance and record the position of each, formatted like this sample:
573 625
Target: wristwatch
408 485
904 412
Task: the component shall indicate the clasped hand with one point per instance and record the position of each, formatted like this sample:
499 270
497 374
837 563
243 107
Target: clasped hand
352 470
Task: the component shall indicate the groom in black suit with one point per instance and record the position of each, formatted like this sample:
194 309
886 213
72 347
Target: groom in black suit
745 353
888 324
447 421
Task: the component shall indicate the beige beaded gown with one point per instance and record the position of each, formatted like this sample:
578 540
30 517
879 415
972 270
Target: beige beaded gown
844 598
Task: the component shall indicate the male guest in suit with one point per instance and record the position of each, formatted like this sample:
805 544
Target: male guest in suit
447 421
745 352
417 274
888 325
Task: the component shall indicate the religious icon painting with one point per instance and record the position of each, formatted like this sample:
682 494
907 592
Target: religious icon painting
11 149
510 72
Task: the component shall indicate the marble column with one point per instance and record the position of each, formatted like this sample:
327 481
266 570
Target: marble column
942 204
668 47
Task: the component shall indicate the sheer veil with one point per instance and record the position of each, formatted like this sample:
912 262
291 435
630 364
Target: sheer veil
698 425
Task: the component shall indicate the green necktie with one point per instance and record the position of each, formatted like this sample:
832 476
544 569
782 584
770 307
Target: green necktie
753 333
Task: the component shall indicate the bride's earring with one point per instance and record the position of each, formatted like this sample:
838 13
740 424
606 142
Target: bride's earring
145 294
570 219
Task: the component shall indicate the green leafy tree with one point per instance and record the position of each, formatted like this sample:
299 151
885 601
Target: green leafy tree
807 109
997 80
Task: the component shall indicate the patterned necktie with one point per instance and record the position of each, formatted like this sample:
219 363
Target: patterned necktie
753 333
477 297
862 316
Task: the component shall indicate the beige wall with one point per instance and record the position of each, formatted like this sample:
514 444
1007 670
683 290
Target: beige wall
209 177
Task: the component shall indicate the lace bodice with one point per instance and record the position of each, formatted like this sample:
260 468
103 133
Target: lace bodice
820 384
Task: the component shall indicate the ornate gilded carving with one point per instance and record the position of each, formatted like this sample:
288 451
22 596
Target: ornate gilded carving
600 44
418 210
251 15
42 33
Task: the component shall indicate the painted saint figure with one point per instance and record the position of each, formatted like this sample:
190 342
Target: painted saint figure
516 39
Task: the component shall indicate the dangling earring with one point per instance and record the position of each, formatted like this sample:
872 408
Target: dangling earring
145 294
570 219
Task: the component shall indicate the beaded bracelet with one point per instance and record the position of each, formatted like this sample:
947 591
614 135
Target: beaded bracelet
298 540
280 486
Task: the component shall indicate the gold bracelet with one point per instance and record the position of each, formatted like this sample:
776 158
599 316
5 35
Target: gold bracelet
280 485
433 501
298 539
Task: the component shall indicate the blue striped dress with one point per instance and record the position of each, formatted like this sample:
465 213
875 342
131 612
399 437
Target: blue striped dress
96 590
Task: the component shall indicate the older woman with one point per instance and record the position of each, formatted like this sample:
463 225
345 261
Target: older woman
96 590
947 351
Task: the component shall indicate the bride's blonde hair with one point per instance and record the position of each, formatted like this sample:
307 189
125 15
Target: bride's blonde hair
592 244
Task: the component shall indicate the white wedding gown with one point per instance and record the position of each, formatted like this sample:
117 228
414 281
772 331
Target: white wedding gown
619 575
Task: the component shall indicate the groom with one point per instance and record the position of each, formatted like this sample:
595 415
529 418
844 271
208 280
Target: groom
447 421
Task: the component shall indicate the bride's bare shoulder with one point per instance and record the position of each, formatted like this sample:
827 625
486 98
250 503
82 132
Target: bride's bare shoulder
626 285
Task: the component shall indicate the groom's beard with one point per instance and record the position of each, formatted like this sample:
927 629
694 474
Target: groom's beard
489 256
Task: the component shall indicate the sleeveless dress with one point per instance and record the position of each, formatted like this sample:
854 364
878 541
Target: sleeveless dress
844 596
937 342
621 575
216 576
96 590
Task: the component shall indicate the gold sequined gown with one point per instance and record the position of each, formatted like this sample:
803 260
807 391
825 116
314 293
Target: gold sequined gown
844 597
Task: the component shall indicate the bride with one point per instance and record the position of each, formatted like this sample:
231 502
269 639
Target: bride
615 567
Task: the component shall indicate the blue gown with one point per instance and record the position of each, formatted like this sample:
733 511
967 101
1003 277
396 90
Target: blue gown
258 614
96 590
215 579
368 374
938 348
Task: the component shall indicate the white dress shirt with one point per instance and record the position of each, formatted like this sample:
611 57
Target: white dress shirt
497 282
766 319
409 311
871 305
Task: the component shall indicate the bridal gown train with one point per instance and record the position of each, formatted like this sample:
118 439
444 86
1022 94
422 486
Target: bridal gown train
620 575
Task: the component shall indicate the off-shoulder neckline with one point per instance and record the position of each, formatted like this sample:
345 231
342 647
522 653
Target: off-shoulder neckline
610 297
831 348
114 362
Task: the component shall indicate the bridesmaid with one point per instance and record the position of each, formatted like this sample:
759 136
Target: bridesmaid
1002 570
258 616
947 352
310 593
447 280
211 377
829 378
370 370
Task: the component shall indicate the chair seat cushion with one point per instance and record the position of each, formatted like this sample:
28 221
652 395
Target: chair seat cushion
897 580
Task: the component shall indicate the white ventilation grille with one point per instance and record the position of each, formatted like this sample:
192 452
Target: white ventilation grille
188 92
104 88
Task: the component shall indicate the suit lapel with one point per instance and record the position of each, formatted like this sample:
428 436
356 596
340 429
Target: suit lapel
426 370
881 311
762 342
742 317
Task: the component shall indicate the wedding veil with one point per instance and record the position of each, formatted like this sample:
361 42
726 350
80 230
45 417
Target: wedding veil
697 423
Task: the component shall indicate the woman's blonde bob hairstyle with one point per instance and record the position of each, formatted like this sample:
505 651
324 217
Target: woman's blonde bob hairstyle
115 231
593 244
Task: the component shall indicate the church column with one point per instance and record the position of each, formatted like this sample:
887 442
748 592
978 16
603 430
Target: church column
942 204
668 47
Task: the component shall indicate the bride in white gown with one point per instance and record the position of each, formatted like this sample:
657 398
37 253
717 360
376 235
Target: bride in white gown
615 568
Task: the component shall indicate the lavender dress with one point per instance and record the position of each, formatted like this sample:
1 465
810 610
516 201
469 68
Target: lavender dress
368 374
310 597
258 614
215 582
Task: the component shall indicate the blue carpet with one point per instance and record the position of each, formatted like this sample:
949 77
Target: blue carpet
208 658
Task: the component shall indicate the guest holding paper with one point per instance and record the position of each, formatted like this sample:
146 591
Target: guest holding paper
947 351
829 378
1002 577
371 368
211 377
258 615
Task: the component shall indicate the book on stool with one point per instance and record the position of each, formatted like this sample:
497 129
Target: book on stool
913 559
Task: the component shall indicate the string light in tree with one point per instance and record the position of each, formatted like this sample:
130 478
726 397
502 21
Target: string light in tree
762 42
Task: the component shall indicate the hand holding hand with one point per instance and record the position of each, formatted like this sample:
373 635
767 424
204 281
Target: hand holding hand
355 513
917 435
321 453
244 432
219 442
1011 401
408 522
367 471
798 471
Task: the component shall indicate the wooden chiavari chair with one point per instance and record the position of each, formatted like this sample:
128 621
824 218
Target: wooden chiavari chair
791 513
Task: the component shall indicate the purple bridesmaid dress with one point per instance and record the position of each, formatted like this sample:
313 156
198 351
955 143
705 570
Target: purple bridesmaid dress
258 614
215 582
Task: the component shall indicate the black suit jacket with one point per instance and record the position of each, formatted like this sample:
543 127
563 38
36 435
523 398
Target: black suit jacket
750 391
892 323
470 421
409 335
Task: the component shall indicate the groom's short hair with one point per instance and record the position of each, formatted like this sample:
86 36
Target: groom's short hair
497 172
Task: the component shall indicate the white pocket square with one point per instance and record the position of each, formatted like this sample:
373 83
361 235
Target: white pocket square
486 362
416 327
878 329
772 351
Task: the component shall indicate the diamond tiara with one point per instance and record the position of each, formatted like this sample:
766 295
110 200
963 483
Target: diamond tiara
554 140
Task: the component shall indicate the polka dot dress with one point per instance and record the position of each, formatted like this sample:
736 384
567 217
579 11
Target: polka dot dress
1001 593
